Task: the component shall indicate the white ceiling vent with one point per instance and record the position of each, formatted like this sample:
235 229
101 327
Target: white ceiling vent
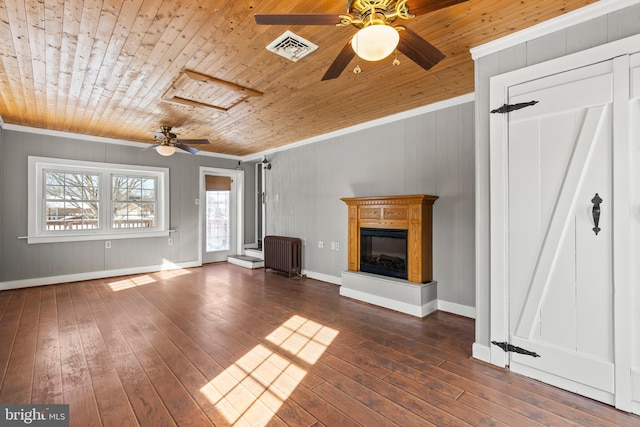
291 46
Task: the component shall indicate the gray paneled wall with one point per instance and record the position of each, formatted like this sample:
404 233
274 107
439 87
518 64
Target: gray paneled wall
20 260
596 32
432 153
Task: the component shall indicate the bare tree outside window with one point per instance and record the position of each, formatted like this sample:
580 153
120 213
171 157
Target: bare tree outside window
133 201
71 200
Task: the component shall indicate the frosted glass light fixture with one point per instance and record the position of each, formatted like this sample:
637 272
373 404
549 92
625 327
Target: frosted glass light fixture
375 42
165 150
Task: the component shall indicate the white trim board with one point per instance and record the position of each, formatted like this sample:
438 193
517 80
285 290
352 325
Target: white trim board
93 275
578 16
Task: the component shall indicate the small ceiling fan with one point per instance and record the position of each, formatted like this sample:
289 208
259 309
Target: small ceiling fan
169 142
376 37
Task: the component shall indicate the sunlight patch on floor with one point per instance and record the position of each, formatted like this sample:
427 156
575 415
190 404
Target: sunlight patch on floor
131 282
251 391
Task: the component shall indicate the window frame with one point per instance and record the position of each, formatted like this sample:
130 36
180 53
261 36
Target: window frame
37 232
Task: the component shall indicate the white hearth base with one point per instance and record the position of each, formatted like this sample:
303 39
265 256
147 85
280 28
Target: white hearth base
416 299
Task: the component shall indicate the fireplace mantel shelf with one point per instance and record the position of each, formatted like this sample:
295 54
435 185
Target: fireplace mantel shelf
412 213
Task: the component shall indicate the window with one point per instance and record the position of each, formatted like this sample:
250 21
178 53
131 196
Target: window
217 225
73 200
133 201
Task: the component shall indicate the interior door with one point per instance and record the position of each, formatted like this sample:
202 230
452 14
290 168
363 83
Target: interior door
561 304
219 218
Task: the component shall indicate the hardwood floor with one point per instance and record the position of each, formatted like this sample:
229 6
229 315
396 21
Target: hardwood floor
221 345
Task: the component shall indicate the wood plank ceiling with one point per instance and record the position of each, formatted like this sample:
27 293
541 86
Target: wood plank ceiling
101 67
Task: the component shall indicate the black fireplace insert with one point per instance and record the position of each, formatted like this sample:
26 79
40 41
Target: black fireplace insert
384 251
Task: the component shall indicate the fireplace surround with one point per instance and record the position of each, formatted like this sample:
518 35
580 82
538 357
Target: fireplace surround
411 213
395 217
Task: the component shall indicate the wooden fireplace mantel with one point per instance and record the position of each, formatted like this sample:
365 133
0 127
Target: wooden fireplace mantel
412 213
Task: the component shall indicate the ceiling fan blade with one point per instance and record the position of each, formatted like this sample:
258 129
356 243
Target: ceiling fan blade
418 49
151 147
194 141
340 63
298 19
191 150
420 7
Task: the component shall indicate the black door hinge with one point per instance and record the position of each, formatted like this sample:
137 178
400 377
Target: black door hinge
507 108
512 348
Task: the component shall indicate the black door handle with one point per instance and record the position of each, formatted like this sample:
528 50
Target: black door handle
596 212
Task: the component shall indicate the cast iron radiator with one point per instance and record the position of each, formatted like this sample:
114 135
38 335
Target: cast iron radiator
283 254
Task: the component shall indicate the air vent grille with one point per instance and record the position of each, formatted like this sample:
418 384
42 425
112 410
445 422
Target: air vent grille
291 46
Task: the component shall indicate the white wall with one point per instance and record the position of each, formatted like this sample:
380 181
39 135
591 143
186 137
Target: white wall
430 153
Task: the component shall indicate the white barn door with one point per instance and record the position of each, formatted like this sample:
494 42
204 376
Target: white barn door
560 264
565 223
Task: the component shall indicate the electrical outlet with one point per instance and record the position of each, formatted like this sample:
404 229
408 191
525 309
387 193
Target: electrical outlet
320 244
107 244
337 246
170 241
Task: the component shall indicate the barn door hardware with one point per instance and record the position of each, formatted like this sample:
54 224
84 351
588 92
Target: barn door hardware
512 348
507 108
596 212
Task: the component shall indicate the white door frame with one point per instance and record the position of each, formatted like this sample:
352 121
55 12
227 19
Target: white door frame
498 174
238 178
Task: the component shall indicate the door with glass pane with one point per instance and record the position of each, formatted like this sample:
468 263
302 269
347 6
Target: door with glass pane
219 215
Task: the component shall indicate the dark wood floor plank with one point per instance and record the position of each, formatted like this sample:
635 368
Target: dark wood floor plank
83 407
568 413
113 405
146 403
75 371
592 407
182 407
15 301
354 409
408 366
17 384
47 376
221 345
353 382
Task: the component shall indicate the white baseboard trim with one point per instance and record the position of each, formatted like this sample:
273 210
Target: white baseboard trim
455 308
323 277
481 352
93 275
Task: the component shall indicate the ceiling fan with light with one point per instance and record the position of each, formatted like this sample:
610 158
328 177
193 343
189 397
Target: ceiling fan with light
169 142
376 38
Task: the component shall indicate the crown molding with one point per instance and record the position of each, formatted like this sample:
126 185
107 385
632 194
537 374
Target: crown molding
578 16
92 138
